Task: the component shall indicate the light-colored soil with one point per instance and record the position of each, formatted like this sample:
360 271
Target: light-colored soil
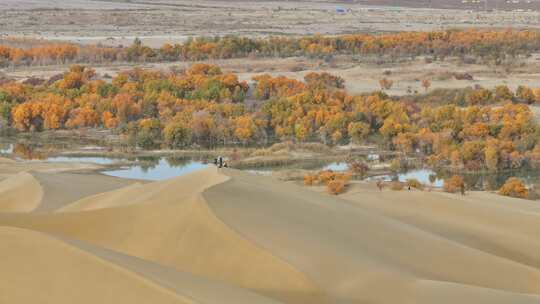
119 22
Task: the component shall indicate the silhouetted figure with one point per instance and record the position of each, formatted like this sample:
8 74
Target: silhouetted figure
409 187
379 185
221 162
462 188
215 161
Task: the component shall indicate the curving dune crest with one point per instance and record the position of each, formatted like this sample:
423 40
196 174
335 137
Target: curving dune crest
110 199
169 223
68 272
356 253
267 241
20 192
137 193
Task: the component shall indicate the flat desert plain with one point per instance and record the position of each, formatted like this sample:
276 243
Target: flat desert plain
156 22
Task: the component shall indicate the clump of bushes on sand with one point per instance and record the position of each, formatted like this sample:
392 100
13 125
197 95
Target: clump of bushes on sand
409 183
336 186
514 187
335 182
286 148
397 186
454 184
357 167
414 183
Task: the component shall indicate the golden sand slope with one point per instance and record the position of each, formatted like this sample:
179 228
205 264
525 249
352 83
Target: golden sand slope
20 193
168 191
42 269
293 245
6 160
356 254
63 188
171 224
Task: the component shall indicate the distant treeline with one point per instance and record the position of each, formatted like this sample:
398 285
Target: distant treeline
485 44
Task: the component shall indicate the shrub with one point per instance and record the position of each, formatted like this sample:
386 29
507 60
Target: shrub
386 84
397 186
453 184
146 140
326 176
358 167
335 182
309 180
514 187
398 164
336 187
414 183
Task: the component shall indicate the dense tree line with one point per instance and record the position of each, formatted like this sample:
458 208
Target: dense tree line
486 129
487 44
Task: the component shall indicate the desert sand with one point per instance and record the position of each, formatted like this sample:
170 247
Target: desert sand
227 236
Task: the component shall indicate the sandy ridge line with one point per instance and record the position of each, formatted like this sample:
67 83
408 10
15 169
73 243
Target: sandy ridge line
443 240
122 270
432 227
472 289
24 193
254 243
464 245
169 196
79 206
72 207
123 260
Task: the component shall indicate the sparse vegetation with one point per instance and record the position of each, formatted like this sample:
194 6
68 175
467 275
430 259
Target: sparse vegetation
397 186
514 187
335 182
454 184
414 183
488 44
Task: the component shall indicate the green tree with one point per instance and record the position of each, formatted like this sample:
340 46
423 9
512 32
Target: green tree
177 135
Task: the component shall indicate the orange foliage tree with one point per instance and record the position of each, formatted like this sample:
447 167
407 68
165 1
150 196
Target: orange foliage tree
514 187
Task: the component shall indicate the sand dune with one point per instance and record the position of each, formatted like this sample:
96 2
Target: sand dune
6 160
365 247
172 225
36 268
267 241
161 191
63 188
20 193
86 274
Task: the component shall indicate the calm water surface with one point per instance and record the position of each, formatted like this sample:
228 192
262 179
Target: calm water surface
160 168
160 171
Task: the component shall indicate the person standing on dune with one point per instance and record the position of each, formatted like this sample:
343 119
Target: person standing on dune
379 185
